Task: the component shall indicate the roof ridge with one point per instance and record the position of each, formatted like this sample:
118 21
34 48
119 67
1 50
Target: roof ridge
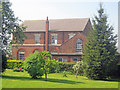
58 19
34 20
68 18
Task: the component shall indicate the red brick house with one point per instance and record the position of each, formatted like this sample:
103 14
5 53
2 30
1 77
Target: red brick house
63 38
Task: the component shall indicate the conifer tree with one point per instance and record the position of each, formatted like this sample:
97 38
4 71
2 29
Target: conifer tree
100 50
9 25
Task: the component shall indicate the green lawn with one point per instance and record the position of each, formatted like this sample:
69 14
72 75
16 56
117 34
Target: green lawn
12 79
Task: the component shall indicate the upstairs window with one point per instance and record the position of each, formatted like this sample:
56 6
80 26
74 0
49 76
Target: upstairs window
71 35
37 38
79 45
54 39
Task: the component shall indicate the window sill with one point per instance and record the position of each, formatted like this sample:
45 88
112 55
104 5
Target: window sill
54 44
37 44
78 50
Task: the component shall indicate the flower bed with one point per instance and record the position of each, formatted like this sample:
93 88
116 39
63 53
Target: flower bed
18 69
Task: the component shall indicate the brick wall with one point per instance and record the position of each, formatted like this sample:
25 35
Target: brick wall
31 37
67 45
70 45
28 50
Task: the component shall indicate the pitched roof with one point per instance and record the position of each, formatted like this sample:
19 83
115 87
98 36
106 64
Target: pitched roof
77 24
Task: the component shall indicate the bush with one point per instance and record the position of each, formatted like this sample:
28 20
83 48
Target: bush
66 66
64 74
14 63
78 68
18 69
32 65
52 69
40 63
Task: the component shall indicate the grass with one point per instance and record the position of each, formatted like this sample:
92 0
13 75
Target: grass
12 79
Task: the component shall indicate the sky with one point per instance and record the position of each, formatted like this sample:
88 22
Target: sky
60 9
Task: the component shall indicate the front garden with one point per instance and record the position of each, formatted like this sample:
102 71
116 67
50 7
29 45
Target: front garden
12 79
39 71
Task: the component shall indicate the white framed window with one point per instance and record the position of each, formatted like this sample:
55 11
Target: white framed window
79 45
65 60
54 39
75 59
21 55
71 35
37 38
62 59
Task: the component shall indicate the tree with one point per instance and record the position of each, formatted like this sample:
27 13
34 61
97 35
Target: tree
38 64
32 65
4 65
10 25
78 67
100 50
48 65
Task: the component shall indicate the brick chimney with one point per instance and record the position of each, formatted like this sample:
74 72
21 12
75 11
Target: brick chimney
46 35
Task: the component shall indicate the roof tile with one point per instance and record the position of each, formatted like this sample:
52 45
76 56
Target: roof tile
77 24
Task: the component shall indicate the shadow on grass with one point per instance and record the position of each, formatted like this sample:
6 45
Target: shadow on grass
42 79
113 80
110 80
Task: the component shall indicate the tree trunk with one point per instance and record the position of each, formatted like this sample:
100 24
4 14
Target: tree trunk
45 76
34 77
76 74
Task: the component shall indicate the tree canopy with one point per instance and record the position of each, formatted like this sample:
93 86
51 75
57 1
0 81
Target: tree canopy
40 63
10 25
100 50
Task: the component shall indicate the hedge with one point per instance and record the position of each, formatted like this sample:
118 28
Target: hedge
65 66
14 63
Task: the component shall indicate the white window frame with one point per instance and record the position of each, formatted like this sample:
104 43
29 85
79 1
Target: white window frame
71 35
21 55
79 44
63 59
54 39
38 38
